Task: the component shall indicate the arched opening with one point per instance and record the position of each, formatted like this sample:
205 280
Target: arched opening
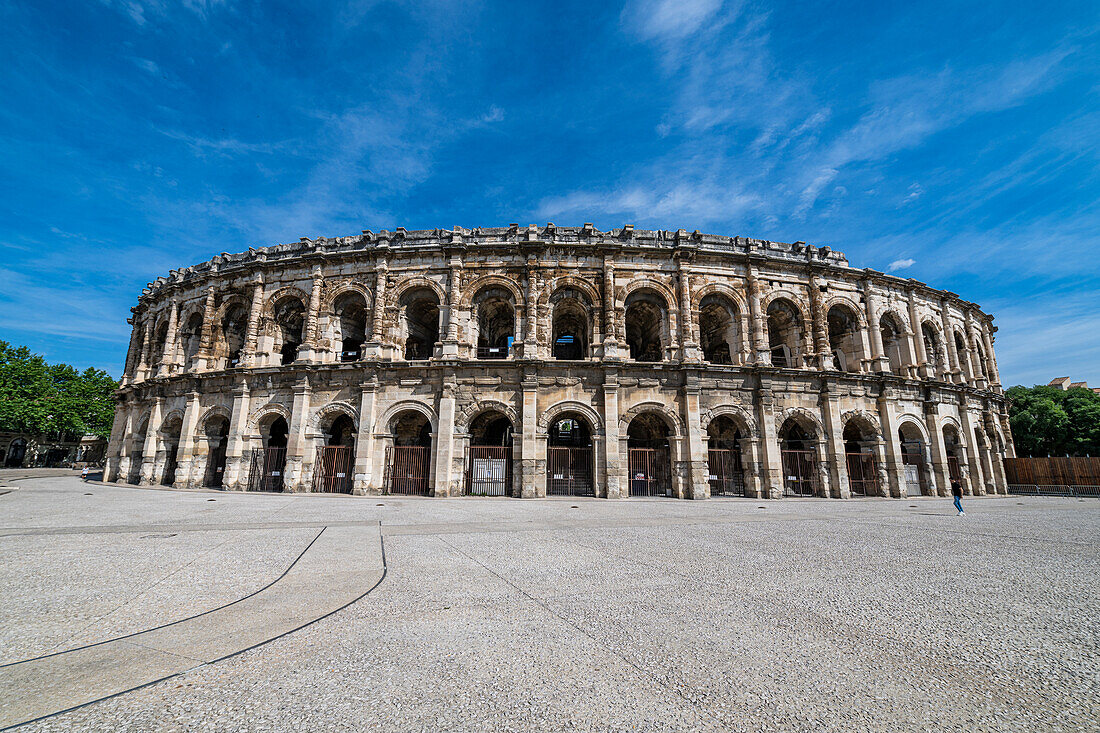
17 451
266 472
336 458
171 434
797 448
914 467
571 324
290 320
718 329
420 307
646 325
648 460
933 350
952 446
234 332
980 370
160 338
891 342
350 324
410 454
216 430
725 462
859 456
137 452
845 343
191 340
784 333
964 358
489 471
496 322
569 456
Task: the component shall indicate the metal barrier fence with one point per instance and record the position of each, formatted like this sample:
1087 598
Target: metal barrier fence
649 472
1053 490
265 471
489 471
569 472
724 472
799 472
333 471
862 474
407 470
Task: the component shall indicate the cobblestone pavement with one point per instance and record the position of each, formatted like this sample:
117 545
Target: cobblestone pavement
582 614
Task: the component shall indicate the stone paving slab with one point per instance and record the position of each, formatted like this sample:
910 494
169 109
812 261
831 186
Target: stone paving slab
340 566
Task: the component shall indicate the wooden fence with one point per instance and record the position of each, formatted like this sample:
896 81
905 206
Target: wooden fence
1073 471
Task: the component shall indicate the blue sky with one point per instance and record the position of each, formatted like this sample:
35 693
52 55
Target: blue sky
954 142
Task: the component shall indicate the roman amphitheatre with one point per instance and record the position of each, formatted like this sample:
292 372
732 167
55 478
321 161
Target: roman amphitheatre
532 361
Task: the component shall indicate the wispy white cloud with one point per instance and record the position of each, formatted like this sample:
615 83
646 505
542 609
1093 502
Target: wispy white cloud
1046 335
668 19
900 264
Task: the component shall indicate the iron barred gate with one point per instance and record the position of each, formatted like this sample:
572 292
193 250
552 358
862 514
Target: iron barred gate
649 472
569 472
725 473
800 473
332 473
862 474
489 471
265 472
407 470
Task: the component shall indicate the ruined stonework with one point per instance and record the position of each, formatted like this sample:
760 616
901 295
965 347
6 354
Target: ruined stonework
562 360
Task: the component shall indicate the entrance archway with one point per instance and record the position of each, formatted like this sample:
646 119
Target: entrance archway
489 470
217 431
171 434
649 464
336 458
859 455
269 462
952 446
914 467
799 458
410 457
647 330
17 451
725 461
569 457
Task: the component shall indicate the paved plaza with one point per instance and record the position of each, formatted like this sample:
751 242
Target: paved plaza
319 612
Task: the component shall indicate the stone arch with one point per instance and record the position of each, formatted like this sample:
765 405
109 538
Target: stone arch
740 416
846 302
550 413
648 283
397 408
328 302
673 420
864 418
899 318
795 299
471 412
910 419
287 291
803 417
569 281
330 412
470 291
260 413
228 301
719 288
412 282
953 422
174 415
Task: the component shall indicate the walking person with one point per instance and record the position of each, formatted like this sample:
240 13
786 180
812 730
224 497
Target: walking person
84 474
957 492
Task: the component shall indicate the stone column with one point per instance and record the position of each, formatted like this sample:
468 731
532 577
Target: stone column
990 360
235 477
977 368
689 345
607 303
250 356
185 451
820 358
879 362
954 372
763 355
205 357
373 348
121 428
443 445
309 351
695 447
149 450
363 482
614 468
923 363
895 473
296 474
532 472
940 472
454 295
834 442
771 461
168 356
530 321
143 358
132 356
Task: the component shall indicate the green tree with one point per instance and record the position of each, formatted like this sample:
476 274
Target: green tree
52 399
1050 421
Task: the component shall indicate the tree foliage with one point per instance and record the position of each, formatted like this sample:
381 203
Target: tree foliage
37 398
1050 421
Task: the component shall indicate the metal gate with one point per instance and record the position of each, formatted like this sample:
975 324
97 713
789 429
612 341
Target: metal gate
911 466
862 474
725 473
407 470
800 472
569 472
333 471
649 472
489 471
953 470
215 466
266 470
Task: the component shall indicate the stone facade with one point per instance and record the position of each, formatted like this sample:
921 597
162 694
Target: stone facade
613 363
